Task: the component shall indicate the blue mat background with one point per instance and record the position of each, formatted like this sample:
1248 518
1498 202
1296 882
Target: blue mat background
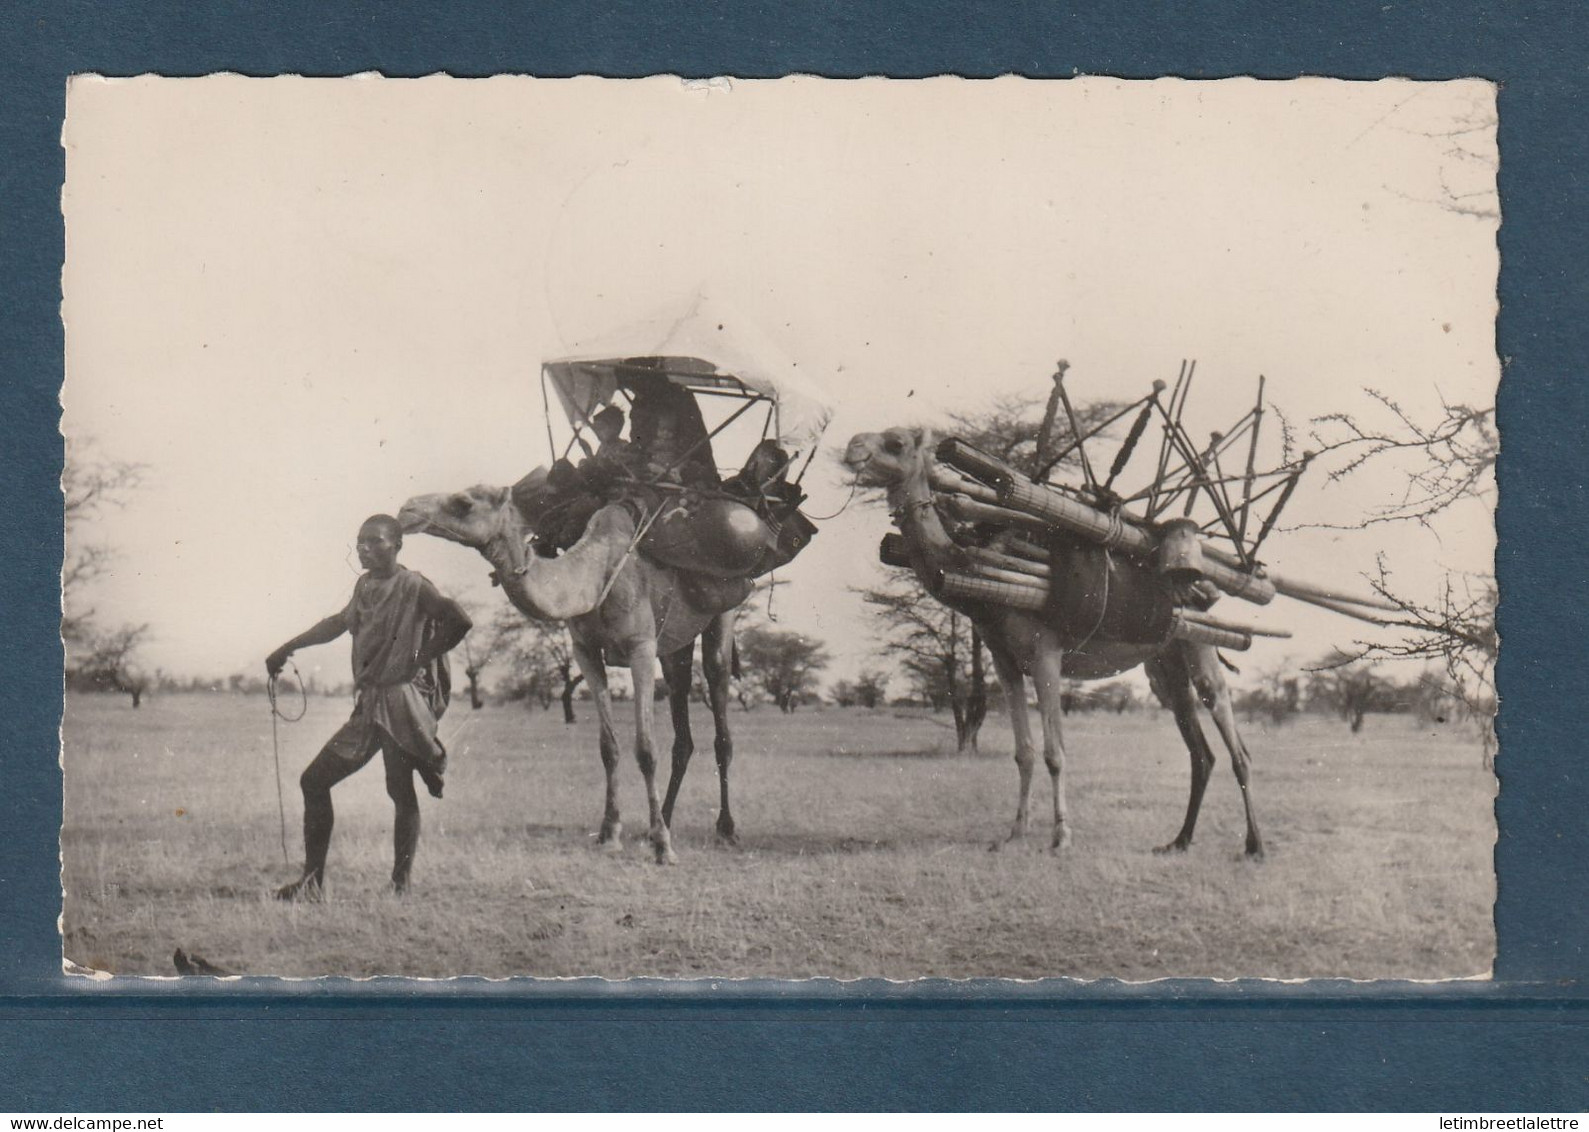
1518 1043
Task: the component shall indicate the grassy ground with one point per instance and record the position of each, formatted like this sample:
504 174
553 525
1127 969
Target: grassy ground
863 853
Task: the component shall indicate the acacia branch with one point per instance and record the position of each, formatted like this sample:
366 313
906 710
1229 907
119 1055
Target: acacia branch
1456 456
87 486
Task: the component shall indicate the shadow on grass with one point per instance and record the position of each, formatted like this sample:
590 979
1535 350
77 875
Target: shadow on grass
812 845
934 752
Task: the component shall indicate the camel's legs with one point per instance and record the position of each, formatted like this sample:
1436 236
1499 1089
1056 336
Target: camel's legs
595 673
1014 685
643 673
1172 683
1046 679
1215 694
717 663
676 670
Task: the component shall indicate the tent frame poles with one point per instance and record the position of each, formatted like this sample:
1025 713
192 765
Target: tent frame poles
707 439
546 411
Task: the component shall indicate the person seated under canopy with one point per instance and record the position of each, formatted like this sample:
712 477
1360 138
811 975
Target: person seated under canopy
614 460
764 480
667 428
608 427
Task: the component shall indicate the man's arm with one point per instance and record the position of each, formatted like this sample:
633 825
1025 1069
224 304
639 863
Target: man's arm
452 624
320 633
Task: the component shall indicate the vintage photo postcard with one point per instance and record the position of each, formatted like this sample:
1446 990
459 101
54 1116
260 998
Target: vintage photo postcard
779 529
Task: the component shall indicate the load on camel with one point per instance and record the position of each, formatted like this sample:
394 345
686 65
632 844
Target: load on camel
1087 582
640 545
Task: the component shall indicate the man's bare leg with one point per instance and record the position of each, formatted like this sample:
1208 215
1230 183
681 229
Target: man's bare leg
329 768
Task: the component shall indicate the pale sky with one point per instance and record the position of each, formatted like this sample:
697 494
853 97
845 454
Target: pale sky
300 301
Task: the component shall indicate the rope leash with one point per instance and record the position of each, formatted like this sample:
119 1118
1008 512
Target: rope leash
1103 606
639 534
451 742
855 485
275 744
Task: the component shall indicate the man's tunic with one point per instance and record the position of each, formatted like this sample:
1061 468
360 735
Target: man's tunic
396 702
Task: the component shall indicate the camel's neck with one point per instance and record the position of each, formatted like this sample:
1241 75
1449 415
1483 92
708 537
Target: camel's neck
550 589
912 506
509 557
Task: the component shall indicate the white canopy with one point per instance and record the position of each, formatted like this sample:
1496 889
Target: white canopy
703 347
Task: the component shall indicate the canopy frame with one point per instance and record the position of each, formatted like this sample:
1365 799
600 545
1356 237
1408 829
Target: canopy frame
697 376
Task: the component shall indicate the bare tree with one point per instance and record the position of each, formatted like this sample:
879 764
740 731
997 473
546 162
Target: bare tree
939 651
97 658
1444 464
105 662
561 650
1346 684
480 647
89 485
1436 698
1277 698
540 659
1467 162
1457 630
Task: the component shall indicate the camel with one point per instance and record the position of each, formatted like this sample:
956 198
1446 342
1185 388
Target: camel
621 609
900 460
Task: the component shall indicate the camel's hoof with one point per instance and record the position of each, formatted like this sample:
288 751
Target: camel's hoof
729 840
1172 847
305 891
666 856
1016 835
1254 853
611 843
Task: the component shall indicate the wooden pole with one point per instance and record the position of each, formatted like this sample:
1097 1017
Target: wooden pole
1075 430
1252 457
1039 508
969 510
1045 434
972 461
969 587
957 586
1198 617
1201 634
946 479
1307 591
985 557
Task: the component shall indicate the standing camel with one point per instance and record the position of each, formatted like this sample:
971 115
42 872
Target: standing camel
1022 644
621 609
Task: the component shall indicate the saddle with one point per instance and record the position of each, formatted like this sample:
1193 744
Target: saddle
744 528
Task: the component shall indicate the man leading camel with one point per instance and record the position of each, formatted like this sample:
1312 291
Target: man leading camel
402 630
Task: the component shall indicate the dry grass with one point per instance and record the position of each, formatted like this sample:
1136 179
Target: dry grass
863 854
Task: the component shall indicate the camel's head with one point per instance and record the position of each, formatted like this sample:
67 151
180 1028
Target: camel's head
472 517
890 457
